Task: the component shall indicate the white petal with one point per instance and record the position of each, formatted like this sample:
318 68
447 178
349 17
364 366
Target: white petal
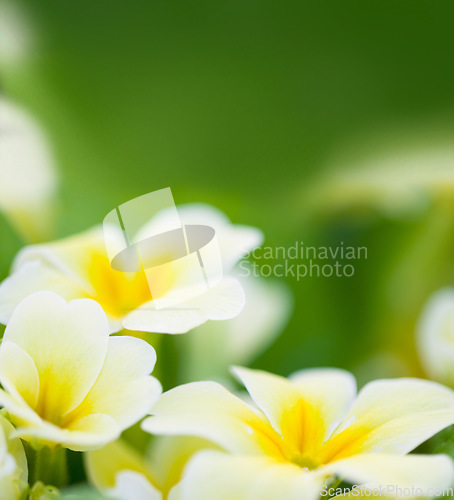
392 416
218 476
131 485
234 240
67 343
19 410
18 373
436 337
88 433
71 256
223 301
175 320
266 312
410 471
34 276
103 465
207 410
168 456
16 450
213 347
124 390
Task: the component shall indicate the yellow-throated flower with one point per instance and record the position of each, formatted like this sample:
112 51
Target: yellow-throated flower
65 380
79 267
306 431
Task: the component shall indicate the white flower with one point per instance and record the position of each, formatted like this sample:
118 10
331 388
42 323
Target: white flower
213 347
120 472
28 179
79 267
17 38
66 381
435 339
13 463
306 431
397 180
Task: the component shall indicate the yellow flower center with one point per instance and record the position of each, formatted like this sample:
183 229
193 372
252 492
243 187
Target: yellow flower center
303 441
118 293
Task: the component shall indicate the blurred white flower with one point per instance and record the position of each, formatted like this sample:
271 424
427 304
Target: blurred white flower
17 38
66 381
213 347
435 337
396 180
305 431
119 471
79 267
28 179
13 463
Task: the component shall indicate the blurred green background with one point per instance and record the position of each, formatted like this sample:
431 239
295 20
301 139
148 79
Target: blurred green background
246 105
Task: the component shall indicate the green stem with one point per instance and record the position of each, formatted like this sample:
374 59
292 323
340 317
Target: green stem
49 466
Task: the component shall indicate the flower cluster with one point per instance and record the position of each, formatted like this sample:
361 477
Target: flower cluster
68 383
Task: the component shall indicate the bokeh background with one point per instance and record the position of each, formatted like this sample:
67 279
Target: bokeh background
321 122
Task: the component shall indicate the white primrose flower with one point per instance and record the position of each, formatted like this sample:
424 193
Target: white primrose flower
65 381
305 432
119 471
79 267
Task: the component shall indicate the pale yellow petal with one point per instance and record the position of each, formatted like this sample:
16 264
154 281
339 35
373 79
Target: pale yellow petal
218 476
223 301
131 485
34 276
124 390
19 410
235 240
87 433
411 471
71 256
67 343
391 416
16 450
169 455
102 465
176 320
207 410
18 373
